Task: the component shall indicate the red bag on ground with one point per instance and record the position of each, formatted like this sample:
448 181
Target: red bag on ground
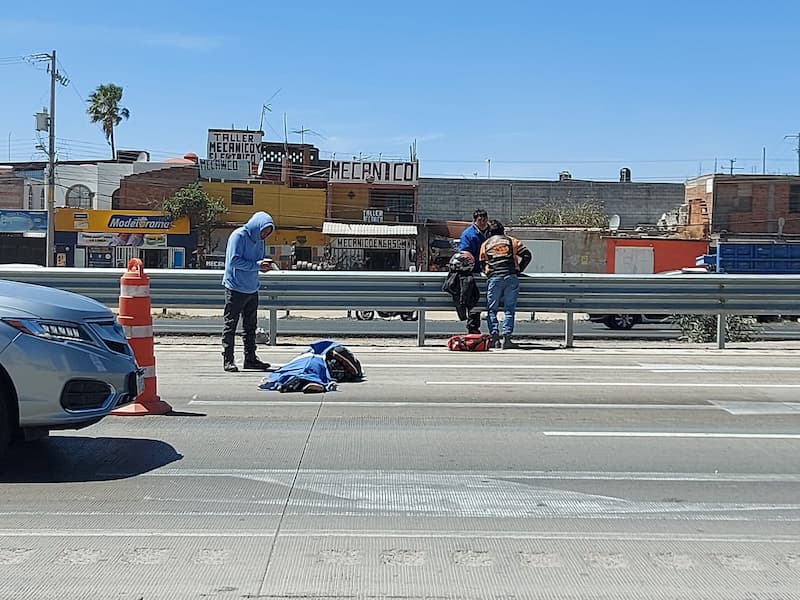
471 342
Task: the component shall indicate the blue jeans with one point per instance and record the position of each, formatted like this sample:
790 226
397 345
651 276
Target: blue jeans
502 290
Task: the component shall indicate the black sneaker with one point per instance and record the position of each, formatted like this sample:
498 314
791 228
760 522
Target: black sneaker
254 364
508 343
230 366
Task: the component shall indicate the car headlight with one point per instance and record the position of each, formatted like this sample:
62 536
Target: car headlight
52 330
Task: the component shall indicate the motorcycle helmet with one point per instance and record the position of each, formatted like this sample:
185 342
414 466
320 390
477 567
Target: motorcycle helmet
462 261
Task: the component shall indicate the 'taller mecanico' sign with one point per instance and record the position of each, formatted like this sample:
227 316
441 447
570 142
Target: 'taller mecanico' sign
234 145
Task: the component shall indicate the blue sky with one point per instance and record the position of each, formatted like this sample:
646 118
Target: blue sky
535 87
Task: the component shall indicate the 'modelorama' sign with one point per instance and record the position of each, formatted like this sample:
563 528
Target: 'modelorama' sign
395 173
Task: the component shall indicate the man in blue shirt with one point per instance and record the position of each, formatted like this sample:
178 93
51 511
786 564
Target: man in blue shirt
471 241
244 260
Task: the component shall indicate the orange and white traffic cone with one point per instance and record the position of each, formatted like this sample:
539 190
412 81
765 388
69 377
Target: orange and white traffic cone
136 320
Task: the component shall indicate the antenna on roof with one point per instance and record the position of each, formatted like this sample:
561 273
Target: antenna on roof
302 131
265 108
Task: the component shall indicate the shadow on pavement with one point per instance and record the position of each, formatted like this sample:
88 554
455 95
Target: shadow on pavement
527 346
79 459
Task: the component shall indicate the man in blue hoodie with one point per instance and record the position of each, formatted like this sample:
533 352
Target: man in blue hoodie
471 241
244 260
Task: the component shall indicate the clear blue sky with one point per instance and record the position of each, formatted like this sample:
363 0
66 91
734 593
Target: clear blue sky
537 87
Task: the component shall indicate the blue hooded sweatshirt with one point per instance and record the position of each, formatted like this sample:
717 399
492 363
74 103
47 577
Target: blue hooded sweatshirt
245 249
471 241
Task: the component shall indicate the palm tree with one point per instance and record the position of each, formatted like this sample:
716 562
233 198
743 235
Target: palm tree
104 108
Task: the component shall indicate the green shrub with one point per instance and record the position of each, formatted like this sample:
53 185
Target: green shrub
703 328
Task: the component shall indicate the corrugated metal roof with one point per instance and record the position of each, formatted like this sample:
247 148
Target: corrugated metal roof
364 229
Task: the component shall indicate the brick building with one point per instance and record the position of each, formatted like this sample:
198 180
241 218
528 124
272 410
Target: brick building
12 189
734 204
147 191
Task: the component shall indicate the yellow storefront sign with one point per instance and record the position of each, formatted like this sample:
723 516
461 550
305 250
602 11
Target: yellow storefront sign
118 221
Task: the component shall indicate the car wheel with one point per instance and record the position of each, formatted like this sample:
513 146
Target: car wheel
620 321
365 315
5 424
408 316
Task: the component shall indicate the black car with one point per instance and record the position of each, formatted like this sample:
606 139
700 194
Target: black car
627 321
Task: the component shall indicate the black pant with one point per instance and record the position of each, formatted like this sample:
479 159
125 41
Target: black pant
474 320
246 305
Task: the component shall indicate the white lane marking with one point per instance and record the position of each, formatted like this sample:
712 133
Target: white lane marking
666 368
616 384
675 434
288 474
743 407
366 403
669 367
767 350
394 533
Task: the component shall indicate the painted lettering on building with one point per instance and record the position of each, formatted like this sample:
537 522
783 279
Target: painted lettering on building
396 173
373 215
368 243
224 169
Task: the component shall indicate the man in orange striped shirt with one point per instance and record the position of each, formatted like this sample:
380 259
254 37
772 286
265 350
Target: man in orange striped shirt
503 258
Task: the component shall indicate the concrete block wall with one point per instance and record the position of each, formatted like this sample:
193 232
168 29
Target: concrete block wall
508 200
582 250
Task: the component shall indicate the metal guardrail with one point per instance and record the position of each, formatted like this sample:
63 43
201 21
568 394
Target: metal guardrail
569 293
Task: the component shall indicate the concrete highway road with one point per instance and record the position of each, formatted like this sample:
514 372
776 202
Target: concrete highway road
607 472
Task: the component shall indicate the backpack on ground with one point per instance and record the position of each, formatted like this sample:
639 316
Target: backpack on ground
470 342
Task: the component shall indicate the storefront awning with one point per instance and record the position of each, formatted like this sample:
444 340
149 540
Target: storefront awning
364 229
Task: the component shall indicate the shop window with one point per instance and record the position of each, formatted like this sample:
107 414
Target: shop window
242 196
79 196
794 198
302 253
395 202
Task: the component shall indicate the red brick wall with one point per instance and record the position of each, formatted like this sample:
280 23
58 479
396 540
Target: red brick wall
761 218
699 203
147 191
12 192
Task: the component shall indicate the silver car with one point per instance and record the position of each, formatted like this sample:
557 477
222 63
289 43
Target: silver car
64 362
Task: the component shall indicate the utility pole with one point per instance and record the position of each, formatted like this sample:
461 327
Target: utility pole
55 76
51 175
795 137
733 162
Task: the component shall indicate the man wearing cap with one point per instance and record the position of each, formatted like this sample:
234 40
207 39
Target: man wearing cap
244 260
471 240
